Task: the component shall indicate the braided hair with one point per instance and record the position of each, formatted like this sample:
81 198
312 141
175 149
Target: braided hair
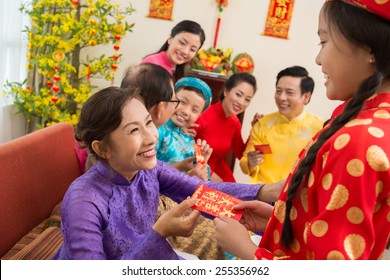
360 28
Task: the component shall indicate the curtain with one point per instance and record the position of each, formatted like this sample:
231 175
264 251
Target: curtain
13 50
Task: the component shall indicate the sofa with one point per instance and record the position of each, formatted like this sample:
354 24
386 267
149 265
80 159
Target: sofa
36 171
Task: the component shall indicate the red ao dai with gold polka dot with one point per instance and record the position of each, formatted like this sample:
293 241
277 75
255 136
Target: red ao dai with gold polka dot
342 210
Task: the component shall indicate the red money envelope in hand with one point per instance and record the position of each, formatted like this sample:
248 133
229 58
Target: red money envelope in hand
199 155
216 203
263 148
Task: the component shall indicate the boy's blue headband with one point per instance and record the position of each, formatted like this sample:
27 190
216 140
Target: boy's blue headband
196 83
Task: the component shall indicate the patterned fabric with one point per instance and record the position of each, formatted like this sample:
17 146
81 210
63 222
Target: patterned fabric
43 247
104 216
174 145
222 134
342 210
160 59
39 243
286 138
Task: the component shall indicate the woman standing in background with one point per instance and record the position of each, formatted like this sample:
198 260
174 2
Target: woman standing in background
220 126
186 38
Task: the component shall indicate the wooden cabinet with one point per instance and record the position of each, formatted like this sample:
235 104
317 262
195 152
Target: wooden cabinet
216 85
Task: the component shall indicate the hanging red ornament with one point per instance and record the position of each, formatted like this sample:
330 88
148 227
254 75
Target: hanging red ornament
49 83
56 68
56 77
115 57
217 27
221 3
114 67
117 37
55 88
75 2
89 73
116 47
54 99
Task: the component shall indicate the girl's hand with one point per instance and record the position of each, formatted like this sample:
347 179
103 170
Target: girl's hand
256 214
234 238
178 221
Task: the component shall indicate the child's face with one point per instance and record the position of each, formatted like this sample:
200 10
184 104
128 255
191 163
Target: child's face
189 109
344 65
131 145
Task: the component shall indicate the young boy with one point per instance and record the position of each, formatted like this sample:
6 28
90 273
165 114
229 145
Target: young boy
175 146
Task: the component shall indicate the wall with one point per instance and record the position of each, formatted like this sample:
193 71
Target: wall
241 27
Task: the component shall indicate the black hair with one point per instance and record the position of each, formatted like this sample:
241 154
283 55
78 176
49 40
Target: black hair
101 114
188 26
363 29
236 79
154 83
191 88
307 82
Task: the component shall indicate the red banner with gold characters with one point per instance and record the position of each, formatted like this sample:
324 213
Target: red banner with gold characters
161 9
279 17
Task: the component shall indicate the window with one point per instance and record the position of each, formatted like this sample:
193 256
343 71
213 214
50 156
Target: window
13 50
13 43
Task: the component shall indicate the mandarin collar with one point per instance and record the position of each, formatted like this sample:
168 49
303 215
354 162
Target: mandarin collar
171 125
106 171
375 101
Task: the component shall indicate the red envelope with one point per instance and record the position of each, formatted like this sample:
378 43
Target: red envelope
263 148
216 203
199 155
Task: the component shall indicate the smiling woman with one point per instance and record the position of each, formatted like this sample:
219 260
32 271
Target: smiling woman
186 38
221 119
119 195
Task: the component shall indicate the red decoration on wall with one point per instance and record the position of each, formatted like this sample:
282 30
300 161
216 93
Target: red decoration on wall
220 4
279 18
161 9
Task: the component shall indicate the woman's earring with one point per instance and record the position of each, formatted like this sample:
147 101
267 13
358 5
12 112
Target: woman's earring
372 61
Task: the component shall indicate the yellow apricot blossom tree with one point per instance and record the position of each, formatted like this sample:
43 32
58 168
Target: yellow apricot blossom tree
59 74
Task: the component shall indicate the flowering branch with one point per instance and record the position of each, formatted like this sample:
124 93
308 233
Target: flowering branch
59 79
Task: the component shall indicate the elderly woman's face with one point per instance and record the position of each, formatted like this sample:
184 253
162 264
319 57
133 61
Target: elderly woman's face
131 146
